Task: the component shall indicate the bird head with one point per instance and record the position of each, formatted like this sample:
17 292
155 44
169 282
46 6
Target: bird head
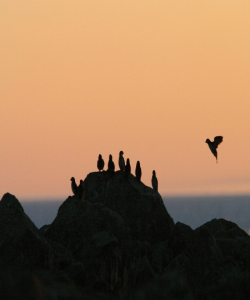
72 178
154 172
110 157
100 156
121 153
207 141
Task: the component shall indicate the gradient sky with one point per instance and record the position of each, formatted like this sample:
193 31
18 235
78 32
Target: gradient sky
152 78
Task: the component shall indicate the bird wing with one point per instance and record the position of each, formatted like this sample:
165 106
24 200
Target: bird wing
217 140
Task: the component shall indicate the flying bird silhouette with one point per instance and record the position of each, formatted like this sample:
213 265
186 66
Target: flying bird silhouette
154 181
214 145
121 161
100 163
74 186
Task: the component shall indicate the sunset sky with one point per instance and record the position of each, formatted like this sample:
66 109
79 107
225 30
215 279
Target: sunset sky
152 78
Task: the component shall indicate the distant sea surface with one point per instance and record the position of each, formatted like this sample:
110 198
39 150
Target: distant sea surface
195 211
191 210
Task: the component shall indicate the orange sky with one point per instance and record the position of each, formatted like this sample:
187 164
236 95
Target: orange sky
151 78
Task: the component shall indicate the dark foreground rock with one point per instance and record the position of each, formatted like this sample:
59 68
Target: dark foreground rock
119 242
111 230
141 207
21 243
80 225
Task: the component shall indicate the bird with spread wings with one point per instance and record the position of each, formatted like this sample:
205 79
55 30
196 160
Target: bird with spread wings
214 145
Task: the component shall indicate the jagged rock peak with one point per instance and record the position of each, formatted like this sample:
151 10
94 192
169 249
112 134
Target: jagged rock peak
9 203
22 245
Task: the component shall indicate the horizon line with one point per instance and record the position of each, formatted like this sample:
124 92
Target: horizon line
208 195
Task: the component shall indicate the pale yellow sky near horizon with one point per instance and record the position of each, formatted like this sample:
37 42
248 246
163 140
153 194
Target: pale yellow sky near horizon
151 78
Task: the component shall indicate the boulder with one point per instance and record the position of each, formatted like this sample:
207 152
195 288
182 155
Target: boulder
86 228
141 207
222 228
233 241
179 237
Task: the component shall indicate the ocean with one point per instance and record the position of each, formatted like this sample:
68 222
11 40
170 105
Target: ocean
191 210
197 210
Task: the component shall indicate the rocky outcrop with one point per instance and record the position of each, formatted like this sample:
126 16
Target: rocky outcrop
140 206
119 242
84 227
97 238
17 234
214 259
21 244
111 230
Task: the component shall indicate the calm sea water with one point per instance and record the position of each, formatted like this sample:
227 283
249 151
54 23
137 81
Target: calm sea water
195 211
191 210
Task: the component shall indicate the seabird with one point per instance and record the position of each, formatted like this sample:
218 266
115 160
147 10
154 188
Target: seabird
138 171
127 168
111 165
74 186
81 189
154 181
213 145
100 163
121 161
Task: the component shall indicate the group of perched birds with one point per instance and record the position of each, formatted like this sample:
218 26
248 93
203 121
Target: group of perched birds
79 191
126 168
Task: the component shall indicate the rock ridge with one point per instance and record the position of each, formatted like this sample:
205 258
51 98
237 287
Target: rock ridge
119 242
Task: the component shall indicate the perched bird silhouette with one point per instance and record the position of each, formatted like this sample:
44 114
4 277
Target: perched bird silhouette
127 168
121 161
74 186
138 171
81 189
213 145
100 163
154 181
111 165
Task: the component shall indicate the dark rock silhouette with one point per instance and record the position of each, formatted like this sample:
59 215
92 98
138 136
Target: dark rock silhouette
179 237
21 242
119 242
96 237
78 225
140 207
212 257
